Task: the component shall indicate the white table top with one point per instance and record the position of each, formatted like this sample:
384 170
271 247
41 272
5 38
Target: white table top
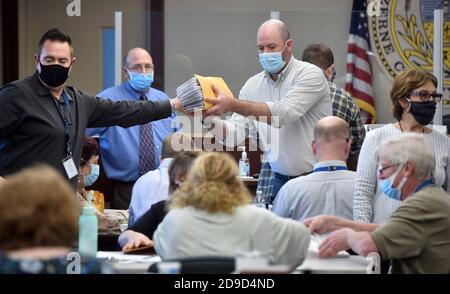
139 264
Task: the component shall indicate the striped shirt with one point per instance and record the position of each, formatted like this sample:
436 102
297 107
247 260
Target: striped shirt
369 203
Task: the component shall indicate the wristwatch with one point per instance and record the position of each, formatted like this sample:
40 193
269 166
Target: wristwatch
172 104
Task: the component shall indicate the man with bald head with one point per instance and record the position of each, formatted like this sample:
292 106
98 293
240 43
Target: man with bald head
128 153
281 104
329 188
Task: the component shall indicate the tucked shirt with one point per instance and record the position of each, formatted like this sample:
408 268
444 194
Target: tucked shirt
190 232
324 192
119 147
297 100
417 235
32 131
345 107
149 189
370 204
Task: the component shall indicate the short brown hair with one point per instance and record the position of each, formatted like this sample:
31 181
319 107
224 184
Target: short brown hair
406 82
90 148
319 55
55 35
213 185
37 208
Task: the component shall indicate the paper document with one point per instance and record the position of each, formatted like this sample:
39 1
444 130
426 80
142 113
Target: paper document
195 92
317 239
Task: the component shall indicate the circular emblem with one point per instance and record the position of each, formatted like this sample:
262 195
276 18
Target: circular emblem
401 33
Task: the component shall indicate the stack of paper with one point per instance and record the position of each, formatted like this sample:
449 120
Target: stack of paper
190 95
195 92
317 239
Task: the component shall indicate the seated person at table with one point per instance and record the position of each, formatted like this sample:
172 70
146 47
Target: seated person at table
141 232
39 224
210 215
417 235
329 188
153 186
89 168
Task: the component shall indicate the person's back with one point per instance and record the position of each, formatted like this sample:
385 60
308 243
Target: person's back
329 193
417 235
188 232
210 215
329 188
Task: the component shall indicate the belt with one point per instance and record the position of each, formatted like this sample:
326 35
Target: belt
287 178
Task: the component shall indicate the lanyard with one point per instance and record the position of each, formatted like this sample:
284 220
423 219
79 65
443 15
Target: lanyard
67 122
330 168
424 184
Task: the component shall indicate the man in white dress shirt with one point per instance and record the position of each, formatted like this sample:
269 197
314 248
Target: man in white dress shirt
153 186
279 105
329 188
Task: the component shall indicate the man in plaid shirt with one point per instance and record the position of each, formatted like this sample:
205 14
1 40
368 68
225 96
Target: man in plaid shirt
343 106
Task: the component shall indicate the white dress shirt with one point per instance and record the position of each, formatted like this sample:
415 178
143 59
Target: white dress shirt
297 100
324 192
150 188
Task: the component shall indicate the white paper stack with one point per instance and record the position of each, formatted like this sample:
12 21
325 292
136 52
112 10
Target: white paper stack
190 95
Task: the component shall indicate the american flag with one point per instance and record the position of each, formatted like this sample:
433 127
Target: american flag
358 80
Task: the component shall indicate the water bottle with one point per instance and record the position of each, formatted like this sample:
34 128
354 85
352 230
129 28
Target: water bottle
88 232
259 200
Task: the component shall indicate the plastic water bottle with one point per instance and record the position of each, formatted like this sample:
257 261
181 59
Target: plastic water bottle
244 164
88 232
259 200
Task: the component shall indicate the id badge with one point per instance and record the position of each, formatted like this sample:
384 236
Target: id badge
69 166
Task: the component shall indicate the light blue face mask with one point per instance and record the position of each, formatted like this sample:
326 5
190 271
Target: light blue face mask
141 82
386 186
272 62
93 176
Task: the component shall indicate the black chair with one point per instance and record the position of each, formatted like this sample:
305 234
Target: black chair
202 265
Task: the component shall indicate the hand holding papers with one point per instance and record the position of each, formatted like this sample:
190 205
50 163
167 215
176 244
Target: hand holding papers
333 245
195 92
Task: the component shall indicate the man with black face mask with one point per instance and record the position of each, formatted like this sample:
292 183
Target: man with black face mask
43 121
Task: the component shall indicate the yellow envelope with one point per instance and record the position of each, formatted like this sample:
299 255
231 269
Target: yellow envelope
207 91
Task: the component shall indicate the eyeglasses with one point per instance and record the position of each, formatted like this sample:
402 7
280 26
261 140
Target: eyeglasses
139 67
383 168
426 96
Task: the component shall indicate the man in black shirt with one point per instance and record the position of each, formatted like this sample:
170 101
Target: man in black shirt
43 121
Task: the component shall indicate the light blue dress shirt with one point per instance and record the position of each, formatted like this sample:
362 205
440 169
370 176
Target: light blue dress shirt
119 147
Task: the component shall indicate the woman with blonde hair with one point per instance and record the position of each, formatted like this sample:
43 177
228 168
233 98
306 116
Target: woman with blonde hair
414 99
210 215
39 224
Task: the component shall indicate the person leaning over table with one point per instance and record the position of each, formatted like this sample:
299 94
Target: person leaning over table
43 121
416 237
141 232
414 98
39 225
210 215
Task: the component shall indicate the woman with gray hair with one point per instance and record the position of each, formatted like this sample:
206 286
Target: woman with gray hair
417 235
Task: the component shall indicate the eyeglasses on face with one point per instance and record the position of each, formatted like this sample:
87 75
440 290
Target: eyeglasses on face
426 96
383 168
141 67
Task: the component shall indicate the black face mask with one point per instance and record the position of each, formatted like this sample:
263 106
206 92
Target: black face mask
423 112
54 75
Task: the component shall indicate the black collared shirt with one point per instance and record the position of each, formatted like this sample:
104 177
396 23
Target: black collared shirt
32 131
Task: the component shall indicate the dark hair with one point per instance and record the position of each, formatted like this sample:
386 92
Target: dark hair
406 82
179 167
90 148
175 143
55 35
318 54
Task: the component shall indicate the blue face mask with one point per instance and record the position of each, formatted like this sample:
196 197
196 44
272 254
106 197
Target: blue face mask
272 62
93 176
386 186
141 82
